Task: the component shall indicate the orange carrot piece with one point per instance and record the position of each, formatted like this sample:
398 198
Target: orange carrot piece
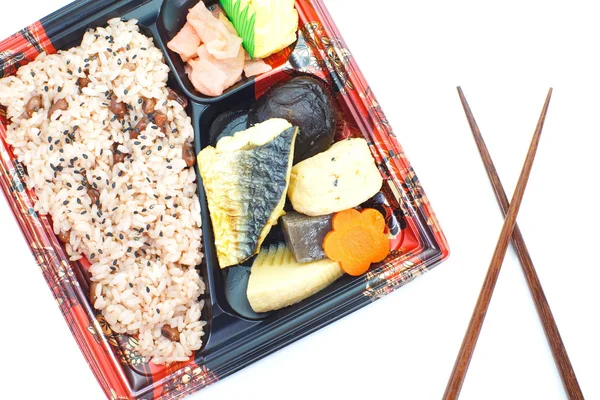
357 240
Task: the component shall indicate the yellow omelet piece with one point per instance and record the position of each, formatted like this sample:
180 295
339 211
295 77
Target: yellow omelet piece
275 24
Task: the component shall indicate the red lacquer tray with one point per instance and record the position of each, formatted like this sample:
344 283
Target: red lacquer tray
234 339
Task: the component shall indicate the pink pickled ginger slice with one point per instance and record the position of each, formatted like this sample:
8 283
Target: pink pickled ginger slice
185 43
220 40
211 76
256 67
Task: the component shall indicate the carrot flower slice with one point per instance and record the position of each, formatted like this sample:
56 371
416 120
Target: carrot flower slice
357 240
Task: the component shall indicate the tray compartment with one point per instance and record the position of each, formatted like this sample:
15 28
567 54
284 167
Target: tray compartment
171 19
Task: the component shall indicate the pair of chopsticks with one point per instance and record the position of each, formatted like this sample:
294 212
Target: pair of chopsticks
510 229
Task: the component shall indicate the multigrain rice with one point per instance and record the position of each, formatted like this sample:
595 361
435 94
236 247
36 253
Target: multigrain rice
143 236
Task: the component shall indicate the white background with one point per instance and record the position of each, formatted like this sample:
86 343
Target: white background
414 53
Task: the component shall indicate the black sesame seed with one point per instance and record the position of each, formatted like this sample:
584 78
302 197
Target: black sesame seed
65 202
159 148
157 311
160 234
80 187
119 63
115 262
99 251
51 147
121 236
46 88
78 200
169 167
148 227
88 238
112 268
85 156
130 284
149 152
137 142
59 89
92 256
147 289
109 49
114 185
70 186
83 212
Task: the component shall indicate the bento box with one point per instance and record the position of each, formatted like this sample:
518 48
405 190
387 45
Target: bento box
234 335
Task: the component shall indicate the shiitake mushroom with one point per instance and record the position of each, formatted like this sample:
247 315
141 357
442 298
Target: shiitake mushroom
305 102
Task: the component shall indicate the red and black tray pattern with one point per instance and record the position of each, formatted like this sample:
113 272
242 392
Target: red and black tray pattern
120 370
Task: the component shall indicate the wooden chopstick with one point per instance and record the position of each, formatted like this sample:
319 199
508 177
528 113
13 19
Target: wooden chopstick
470 340
559 352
